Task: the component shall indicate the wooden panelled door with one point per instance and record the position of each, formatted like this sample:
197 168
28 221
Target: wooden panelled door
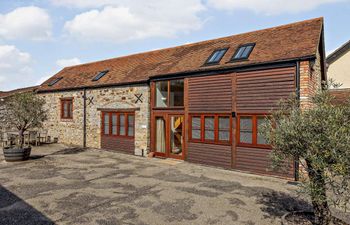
169 135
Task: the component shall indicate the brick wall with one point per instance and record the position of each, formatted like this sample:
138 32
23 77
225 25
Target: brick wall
310 80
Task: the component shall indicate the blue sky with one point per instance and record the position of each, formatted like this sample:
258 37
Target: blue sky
38 38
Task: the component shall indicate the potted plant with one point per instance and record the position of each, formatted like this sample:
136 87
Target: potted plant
24 111
319 137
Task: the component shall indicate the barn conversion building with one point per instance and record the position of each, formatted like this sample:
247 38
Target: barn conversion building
200 102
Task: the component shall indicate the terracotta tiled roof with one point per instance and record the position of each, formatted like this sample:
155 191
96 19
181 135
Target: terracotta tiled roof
5 94
285 42
340 95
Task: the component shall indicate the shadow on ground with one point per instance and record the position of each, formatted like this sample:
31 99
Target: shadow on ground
69 151
14 210
276 204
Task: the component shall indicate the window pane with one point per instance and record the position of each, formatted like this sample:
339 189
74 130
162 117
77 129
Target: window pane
70 109
239 53
114 124
65 109
246 51
196 127
261 139
161 93
177 93
196 134
224 135
209 128
106 123
196 122
224 128
131 125
214 56
122 124
224 123
246 129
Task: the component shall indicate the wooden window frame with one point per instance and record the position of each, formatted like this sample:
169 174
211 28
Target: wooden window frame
110 126
254 143
168 96
70 112
216 140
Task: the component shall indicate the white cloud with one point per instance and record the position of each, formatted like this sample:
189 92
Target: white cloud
84 3
68 62
15 66
26 23
270 7
122 20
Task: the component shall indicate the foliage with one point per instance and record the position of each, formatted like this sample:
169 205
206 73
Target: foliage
25 111
320 138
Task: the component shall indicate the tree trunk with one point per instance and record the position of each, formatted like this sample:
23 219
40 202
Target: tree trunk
21 138
319 196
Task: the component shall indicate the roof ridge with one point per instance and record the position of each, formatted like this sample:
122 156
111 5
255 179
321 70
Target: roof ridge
195 43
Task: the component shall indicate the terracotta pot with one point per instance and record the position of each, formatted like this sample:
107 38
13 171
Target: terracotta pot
16 154
151 154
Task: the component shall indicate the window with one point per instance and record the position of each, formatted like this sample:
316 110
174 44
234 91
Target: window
169 93
211 128
100 75
176 93
52 83
243 52
248 131
118 124
216 56
67 108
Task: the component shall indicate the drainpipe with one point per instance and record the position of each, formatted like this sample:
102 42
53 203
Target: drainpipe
84 122
297 81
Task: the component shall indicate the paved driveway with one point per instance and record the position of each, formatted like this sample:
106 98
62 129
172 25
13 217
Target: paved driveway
76 186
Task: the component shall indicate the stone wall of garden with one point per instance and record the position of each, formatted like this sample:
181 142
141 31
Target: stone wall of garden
70 131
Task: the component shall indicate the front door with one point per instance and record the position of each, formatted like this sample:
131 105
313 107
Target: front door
169 136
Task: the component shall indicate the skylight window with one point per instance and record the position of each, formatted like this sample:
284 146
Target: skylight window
52 83
216 56
243 51
100 75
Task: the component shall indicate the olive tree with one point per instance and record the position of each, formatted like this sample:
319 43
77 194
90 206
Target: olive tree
320 138
25 111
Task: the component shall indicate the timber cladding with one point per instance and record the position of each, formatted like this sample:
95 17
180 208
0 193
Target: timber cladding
120 144
210 154
260 91
210 94
245 93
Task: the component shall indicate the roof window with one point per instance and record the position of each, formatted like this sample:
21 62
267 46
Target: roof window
52 83
100 75
216 56
243 52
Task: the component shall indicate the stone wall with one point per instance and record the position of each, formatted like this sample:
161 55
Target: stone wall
70 131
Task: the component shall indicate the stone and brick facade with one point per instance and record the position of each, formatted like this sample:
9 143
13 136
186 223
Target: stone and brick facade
71 131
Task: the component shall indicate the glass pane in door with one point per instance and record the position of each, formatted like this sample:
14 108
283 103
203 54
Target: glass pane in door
160 134
176 135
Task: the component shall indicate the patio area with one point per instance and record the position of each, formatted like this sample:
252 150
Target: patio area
62 185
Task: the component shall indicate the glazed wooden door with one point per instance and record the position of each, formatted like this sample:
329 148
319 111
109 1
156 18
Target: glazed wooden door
176 136
169 135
